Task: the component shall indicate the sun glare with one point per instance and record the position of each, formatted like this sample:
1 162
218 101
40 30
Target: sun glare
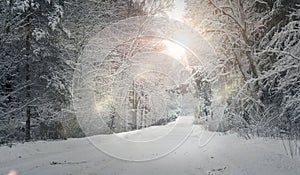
104 103
174 50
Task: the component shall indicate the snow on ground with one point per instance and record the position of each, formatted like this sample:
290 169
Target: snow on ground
201 153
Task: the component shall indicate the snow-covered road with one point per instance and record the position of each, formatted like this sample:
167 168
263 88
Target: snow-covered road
180 150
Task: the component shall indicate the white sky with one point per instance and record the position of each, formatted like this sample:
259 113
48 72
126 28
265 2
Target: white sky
178 11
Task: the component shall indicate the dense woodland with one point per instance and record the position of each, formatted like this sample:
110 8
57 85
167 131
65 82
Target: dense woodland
257 44
41 41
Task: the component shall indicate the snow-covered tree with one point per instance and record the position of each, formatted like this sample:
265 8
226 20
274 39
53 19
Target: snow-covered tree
255 41
35 70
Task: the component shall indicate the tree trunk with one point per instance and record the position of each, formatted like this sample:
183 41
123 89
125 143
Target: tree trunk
27 77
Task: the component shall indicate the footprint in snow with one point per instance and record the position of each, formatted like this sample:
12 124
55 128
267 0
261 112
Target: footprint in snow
216 170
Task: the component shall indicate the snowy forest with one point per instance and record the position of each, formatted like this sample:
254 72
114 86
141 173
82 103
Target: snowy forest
258 47
52 87
40 45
